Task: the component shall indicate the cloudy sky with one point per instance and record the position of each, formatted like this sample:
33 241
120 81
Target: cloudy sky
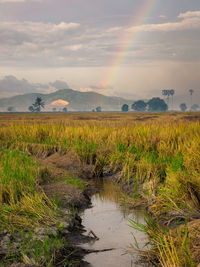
130 48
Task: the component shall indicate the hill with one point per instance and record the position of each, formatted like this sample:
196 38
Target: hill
78 101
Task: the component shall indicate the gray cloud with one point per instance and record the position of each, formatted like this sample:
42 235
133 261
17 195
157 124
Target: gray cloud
75 44
11 85
59 85
18 1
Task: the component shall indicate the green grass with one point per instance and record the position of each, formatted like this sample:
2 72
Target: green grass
23 203
34 251
74 180
18 174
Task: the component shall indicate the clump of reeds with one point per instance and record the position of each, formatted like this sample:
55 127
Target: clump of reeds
23 203
169 248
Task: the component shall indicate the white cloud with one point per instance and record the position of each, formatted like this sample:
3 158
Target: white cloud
28 46
163 16
19 38
189 20
114 29
66 26
75 47
60 103
36 28
87 89
99 88
48 43
189 14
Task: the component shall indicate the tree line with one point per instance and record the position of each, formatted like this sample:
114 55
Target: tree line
153 105
183 107
158 104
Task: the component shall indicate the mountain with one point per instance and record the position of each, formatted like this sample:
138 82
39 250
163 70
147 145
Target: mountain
78 101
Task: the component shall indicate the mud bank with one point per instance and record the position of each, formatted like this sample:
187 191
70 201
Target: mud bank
65 234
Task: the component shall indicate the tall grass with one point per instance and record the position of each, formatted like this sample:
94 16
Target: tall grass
158 160
168 248
22 202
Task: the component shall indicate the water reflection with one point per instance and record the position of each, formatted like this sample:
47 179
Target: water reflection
109 221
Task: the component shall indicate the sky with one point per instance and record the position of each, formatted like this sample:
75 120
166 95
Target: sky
128 48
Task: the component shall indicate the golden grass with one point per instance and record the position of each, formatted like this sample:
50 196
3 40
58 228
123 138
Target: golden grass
157 155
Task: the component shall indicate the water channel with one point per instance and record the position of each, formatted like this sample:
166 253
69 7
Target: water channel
109 221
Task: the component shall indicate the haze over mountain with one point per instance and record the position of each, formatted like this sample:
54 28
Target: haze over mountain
22 93
78 101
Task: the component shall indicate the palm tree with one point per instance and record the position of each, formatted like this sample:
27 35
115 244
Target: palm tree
172 92
39 103
164 92
191 91
167 94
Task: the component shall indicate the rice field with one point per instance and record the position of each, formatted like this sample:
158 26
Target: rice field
157 157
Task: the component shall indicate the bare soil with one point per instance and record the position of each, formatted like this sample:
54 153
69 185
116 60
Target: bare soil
58 167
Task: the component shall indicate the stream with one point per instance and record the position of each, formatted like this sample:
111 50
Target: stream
109 221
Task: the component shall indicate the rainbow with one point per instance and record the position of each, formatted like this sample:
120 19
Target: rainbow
129 40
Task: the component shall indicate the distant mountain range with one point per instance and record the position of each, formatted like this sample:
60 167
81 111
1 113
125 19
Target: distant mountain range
78 101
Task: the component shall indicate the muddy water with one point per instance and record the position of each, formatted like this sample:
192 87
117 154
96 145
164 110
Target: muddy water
109 221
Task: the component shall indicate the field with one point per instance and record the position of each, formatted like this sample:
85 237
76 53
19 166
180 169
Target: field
154 157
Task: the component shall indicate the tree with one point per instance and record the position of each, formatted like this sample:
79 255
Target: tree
169 93
183 107
194 107
54 109
164 92
11 109
98 109
172 92
64 109
191 91
157 104
31 108
139 105
38 104
125 108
